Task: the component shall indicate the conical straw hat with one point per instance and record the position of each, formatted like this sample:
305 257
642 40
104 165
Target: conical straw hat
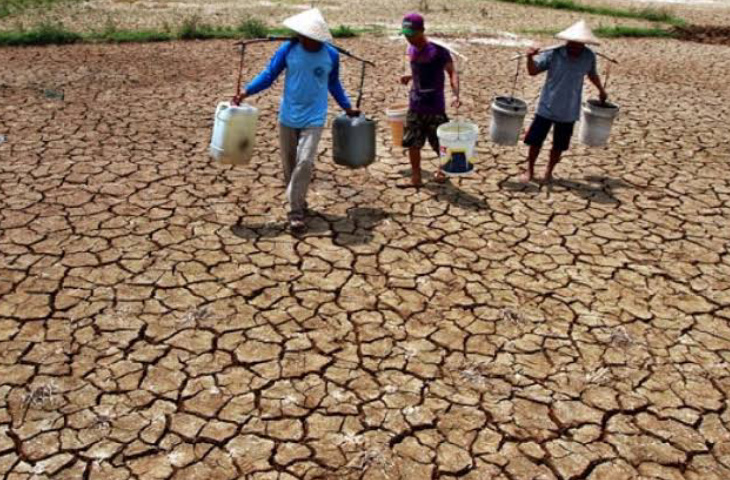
579 32
311 24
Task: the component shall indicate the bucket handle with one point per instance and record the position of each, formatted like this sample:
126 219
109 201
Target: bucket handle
219 110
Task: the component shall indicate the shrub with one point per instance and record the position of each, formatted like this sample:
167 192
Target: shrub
45 33
253 28
343 31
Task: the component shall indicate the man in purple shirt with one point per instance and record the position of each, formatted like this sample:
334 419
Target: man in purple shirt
427 105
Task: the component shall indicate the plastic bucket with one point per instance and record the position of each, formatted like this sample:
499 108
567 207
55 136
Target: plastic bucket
595 125
456 147
508 115
396 115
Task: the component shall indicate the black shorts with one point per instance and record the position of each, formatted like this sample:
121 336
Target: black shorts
539 129
421 127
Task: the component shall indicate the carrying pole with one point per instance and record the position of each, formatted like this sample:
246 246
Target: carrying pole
521 55
244 43
362 84
240 70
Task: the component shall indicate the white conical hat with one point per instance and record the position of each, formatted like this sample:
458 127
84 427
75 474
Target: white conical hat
579 32
311 24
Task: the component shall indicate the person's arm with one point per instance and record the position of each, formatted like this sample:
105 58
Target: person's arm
596 80
534 67
335 86
267 76
407 75
454 80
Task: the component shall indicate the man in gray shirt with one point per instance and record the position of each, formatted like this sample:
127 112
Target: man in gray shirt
560 100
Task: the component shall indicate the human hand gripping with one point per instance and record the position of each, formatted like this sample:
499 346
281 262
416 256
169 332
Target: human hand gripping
238 98
603 96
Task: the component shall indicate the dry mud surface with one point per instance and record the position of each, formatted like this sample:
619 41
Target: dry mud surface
158 321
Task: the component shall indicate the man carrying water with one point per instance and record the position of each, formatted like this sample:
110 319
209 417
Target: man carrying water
560 99
427 106
312 69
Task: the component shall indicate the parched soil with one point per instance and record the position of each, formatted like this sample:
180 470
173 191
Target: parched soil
158 321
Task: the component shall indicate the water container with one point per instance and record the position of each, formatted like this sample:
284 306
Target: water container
234 133
456 142
353 141
596 122
396 115
508 114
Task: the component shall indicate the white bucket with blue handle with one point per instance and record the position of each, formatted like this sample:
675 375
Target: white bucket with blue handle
456 144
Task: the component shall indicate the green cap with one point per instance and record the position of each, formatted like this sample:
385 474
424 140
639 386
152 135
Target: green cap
412 24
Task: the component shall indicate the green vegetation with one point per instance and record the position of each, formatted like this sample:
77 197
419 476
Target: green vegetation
191 28
648 13
131 36
636 32
617 32
343 31
253 28
45 33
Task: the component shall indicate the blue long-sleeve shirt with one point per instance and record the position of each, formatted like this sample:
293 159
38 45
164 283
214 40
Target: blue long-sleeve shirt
562 93
309 77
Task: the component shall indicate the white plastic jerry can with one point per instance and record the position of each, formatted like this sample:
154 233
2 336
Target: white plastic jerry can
234 133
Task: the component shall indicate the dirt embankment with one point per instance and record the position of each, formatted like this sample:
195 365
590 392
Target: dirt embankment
704 34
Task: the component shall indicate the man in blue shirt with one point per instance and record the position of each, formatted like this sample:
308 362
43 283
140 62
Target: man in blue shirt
312 70
560 100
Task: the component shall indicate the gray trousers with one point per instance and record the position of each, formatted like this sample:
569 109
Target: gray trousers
298 148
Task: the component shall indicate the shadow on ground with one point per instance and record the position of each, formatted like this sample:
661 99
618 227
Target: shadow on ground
597 189
449 192
356 228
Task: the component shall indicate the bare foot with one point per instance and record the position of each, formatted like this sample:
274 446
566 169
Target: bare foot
548 178
439 177
412 183
526 177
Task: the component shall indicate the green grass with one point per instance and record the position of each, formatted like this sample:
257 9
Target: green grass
131 36
635 32
616 32
45 33
648 13
191 28
253 28
343 31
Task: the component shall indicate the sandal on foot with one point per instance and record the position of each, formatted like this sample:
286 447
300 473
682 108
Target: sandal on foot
297 225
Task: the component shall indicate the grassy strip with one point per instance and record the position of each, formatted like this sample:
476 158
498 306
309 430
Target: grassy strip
190 29
634 32
618 31
43 34
650 14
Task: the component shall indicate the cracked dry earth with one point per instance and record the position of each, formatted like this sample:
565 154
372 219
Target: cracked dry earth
157 321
